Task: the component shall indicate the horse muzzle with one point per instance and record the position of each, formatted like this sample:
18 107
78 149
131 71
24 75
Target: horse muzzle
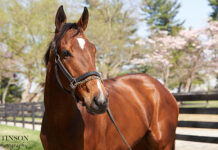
98 106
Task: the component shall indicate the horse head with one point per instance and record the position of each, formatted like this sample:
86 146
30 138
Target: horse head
73 52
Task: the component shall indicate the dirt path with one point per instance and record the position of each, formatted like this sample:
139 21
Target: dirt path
1 148
28 126
186 145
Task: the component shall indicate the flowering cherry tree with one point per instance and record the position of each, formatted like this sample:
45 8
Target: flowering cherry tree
184 57
162 47
200 54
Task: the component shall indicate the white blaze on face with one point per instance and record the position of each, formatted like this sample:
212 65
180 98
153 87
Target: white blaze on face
101 96
81 42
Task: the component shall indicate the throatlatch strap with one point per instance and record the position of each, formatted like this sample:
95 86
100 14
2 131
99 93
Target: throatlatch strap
64 70
59 81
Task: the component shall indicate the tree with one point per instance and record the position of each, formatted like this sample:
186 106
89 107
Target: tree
212 34
160 57
160 15
111 29
26 31
187 58
214 5
200 57
10 90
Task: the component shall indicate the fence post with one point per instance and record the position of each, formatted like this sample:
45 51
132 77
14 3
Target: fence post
14 114
6 121
0 114
42 108
22 109
207 102
33 115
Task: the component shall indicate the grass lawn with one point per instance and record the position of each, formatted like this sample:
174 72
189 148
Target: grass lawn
16 138
25 118
211 104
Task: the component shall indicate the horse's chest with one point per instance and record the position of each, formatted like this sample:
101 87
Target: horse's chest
94 137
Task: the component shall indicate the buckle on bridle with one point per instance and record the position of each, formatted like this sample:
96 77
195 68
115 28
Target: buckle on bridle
72 84
57 58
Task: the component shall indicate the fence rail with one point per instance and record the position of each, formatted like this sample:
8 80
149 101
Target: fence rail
32 113
203 139
25 113
192 110
195 96
198 110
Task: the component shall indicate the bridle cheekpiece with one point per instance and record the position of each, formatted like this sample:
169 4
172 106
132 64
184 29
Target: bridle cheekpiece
74 81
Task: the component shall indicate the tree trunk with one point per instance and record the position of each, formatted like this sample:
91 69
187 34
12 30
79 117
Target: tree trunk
107 75
189 90
193 71
33 97
25 94
188 85
179 87
37 97
5 92
1 102
166 76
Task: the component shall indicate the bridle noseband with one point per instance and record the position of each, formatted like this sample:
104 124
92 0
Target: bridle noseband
74 81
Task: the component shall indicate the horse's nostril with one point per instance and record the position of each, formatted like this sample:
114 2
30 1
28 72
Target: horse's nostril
95 100
99 102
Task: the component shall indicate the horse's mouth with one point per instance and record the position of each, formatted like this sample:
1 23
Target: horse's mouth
94 109
95 112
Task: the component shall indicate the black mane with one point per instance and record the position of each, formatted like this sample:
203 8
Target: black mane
65 28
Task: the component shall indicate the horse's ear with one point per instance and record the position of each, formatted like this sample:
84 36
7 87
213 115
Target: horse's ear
60 18
83 21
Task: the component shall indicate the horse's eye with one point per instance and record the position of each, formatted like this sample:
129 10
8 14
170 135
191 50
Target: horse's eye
66 53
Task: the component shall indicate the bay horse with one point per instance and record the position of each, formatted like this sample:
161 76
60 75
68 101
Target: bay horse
76 100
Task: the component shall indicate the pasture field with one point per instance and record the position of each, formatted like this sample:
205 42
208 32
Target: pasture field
25 118
210 104
16 138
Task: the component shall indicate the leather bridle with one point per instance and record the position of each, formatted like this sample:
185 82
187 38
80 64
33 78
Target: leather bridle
74 81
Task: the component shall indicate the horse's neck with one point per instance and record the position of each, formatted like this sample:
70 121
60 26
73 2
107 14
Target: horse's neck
57 101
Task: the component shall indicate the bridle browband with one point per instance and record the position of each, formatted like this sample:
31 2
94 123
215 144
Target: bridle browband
75 81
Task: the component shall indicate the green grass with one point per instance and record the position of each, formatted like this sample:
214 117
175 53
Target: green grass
33 142
26 119
211 104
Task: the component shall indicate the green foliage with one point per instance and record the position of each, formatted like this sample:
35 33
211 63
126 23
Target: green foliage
27 27
13 93
28 34
214 5
111 28
137 69
160 15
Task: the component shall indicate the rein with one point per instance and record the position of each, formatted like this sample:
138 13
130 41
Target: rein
118 130
74 82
